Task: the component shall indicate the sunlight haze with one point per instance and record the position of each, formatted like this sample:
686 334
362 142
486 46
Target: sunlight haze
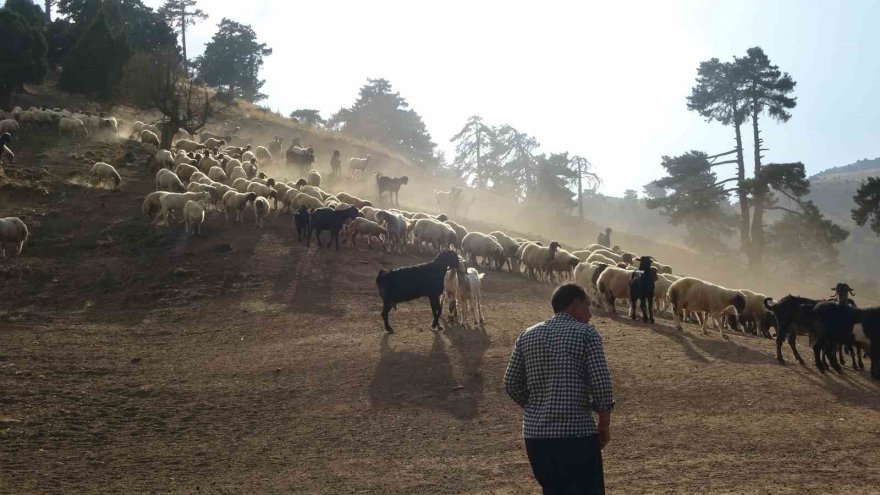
607 82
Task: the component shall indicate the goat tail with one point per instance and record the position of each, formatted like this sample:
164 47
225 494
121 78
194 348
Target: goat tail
768 303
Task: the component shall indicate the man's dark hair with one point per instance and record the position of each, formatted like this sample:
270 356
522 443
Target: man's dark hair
565 295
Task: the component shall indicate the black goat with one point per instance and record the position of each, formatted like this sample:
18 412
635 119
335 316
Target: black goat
837 324
329 219
391 185
5 138
793 316
304 157
841 292
641 288
412 282
301 221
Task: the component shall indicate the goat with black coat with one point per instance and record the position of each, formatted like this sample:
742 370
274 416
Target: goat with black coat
841 292
5 138
412 282
391 185
837 324
792 316
331 220
301 221
641 288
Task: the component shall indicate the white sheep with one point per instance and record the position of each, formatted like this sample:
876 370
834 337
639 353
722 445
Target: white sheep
216 173
314 192
249 157
236 201
448 200
586 275
182 157
212 143
229 164
265 191
13 232
207 161
72 126
510 246
613 284
167 180
236 173
478 244
755 309
153 204
188 145
213 189
194 215
600 258
185 171
396 227
537 259
302 199
241 185
694 295
435 233
104 171
262 154
9 125
261 210
174 202
358 164
164 159
150 139
470 294
250 166
352 200
362 226
563 264
314 178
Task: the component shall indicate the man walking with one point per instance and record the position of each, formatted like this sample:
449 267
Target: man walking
604 239
558 375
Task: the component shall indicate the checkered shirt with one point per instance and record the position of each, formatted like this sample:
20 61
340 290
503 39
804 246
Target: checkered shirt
558 374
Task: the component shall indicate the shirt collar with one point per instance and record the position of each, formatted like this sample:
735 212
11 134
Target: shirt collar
565 317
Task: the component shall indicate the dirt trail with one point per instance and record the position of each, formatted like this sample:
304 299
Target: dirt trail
241 362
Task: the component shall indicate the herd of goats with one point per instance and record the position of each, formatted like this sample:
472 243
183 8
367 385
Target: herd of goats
208 173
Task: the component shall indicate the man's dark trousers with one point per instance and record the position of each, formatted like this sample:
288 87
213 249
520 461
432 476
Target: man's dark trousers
567 465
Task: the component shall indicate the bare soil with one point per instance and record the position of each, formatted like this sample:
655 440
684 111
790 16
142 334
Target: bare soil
136 359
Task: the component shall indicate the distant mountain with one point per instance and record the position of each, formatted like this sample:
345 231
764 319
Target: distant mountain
863 165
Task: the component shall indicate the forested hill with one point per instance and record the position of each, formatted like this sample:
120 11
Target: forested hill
862 165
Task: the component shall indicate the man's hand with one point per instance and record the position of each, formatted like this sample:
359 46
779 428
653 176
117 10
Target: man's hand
604 428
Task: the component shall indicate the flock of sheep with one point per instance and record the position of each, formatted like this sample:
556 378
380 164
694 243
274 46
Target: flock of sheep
196 177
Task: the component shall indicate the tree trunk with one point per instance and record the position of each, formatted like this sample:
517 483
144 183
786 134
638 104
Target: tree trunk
168 130
48 12
183 42
760 194
742 194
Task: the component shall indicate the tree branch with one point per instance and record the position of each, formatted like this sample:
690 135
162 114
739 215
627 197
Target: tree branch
725 162
799 213
721 154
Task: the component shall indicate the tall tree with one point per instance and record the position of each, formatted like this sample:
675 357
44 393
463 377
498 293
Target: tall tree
867 201
690 196
159 81
584 175
180 14
308 116
31 14
94 65
801 237
553 176
473 143
718 96
232 61
514 155
380 114
48 10
766 89
22 54
144 29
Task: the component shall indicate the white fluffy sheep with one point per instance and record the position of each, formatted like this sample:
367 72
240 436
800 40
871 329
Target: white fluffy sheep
613 284
236 173
164 159
212 143
362 226
563 264
216 173
261 210
510 246
167 180
72 126
153 204
14 233
600 258
352 200
188 145
263 190
695 295
262 154
470 295
241 185
478 244
236 202
185 171
299 199
435 233
194 215
396 227
355 164
9 125
104 171
586 275
229 165
314 178
207 162
174 202
537 259
149 138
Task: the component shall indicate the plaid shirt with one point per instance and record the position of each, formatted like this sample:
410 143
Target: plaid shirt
557 374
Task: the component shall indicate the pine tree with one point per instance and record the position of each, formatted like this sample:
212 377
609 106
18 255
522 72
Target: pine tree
180 14
94 65
232 61
22 54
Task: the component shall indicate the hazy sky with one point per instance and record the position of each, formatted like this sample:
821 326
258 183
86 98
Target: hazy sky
605 80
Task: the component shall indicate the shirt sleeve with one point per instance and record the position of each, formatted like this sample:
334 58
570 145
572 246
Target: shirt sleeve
515 377
599 376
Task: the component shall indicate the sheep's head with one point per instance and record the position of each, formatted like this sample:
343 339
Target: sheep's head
617 249
553 247
644 262
628 258
442 217
250 197
404 180
653 272
841 290
300 183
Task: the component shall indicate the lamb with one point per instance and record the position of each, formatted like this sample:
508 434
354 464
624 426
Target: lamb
450 293
537 258
194 215
613 284
301 221
236 201
261 210
173 202
74 127
396 227
469 292
188 145
586 275
217 174
14 232
692 294
478 244
352 200
362 226
413 282
435 233
314 178
460 232
149 138
331 220
262 154
104 171
152 204
167 180
641 289
355 164
390 185
265 191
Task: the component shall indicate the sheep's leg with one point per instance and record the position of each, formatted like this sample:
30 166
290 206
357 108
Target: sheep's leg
386 308
650 303
335 234
792 338
817 356
632 308
703 324
781 333
478 298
